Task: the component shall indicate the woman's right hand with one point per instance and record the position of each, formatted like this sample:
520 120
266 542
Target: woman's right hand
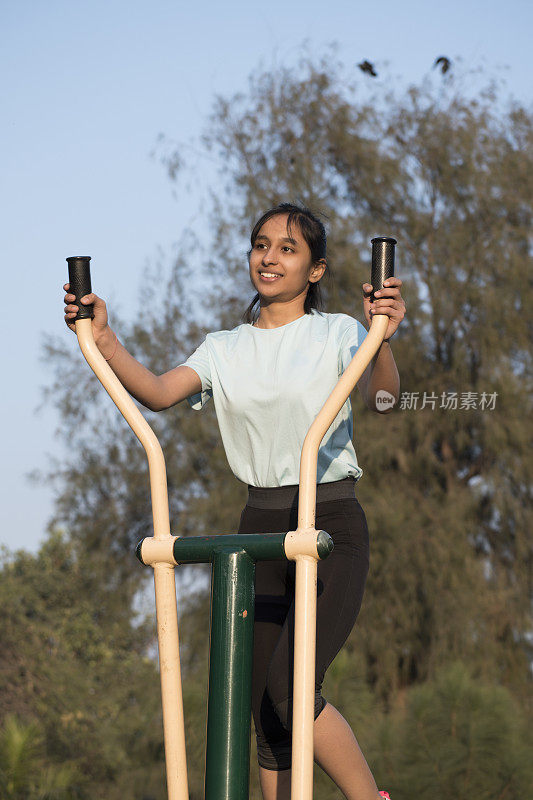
99 321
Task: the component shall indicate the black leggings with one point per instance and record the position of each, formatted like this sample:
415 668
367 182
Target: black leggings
340 587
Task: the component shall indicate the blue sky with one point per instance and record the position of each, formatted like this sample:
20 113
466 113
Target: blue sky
86 89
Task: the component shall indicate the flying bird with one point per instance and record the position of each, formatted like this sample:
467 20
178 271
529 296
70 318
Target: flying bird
366 66
444 62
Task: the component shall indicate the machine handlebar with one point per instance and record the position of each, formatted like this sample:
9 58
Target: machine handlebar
382 261
79 277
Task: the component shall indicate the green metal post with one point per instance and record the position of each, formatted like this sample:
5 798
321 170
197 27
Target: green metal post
233 557
230 676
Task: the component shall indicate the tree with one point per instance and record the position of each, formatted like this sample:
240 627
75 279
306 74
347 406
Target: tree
24 773
446 490
456 737
451 177
76 682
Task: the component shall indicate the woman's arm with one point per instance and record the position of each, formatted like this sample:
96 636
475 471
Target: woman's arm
155 392
382 372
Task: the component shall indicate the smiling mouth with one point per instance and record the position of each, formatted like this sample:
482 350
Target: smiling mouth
268 276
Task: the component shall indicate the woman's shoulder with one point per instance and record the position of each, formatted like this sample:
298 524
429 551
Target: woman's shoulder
223 335
337 323
226 340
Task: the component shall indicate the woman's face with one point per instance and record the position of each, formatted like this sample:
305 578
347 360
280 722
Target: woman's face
280 262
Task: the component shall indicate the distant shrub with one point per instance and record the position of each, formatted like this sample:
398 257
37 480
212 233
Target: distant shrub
457 739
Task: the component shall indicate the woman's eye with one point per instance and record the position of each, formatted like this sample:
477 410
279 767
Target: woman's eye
288 249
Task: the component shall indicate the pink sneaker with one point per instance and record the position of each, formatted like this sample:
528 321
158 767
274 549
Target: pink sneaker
385 794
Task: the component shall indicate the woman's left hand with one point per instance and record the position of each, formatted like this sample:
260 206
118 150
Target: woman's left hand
387 301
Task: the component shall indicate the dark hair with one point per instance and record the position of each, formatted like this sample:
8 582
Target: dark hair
314 234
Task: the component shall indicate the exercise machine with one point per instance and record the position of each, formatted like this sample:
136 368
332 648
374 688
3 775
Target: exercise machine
233 559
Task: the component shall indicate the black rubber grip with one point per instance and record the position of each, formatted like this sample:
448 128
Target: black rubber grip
382 261
79 277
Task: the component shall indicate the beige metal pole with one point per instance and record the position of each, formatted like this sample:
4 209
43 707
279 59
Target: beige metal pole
165 588
306 567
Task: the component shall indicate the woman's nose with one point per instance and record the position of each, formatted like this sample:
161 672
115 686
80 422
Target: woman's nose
270 257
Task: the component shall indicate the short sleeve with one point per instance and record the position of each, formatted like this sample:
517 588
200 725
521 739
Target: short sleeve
352 339
199 362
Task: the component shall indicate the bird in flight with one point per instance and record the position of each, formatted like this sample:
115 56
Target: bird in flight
366 66
444 63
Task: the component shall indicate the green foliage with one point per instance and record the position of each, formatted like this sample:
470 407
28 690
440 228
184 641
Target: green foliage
456 738
24 773
78 665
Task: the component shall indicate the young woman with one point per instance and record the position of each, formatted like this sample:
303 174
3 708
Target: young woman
269 377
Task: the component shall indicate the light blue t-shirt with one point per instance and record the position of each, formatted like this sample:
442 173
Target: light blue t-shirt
268 386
